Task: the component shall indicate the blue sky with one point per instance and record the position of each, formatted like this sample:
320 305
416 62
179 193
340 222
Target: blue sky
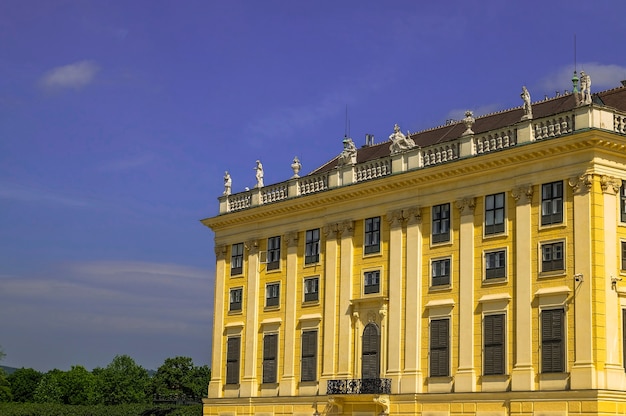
118 120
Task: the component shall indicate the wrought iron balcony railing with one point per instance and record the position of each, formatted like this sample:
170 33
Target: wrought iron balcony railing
359 386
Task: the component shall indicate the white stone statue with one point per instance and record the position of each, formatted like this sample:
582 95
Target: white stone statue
228 182
528 111
469 122
259 174
399 142
585 88
296 166
348 154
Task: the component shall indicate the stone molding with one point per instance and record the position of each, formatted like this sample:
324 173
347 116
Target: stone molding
466 205
581 184
610 184
523 194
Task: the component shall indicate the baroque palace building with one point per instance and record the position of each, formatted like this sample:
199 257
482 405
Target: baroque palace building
470 269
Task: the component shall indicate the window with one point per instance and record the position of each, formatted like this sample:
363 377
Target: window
270 352
372 282
493 344
441 223
232 360
272 294
441 272
622 201
372 235
236 259
312 249
623 255
273 253
370 361
235 299
495 264
494 213
309 356
439 345
552 257
552 342
311 289
552 203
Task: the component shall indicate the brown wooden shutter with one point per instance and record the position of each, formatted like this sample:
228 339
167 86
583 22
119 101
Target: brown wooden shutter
552 351
370 361
309 356
494 344
439 354
232 360
270 351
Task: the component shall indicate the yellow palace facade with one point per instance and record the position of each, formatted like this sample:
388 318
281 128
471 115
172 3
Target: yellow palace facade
471 269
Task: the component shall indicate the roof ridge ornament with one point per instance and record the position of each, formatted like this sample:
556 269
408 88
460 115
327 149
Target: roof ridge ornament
399 142
348 154
528 110
469 122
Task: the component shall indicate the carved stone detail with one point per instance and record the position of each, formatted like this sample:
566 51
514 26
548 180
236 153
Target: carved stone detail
331 230
345 228
466 205
522 194
581 184
610 184
292 238
395 218
413 215
253 246
383 401
220 251
383 311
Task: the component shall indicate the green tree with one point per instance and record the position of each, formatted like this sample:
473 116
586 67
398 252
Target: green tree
23 384
5 387
179 378
49 389
122 381
78 386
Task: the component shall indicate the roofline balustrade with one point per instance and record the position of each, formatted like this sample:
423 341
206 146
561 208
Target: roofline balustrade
525 131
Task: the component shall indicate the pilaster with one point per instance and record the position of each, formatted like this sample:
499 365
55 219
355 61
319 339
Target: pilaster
329 356
346 231
613 371
287 383
412 376
396 300
583 374
217 367
465 379
523 376
249 384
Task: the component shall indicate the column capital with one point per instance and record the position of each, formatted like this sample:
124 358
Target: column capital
413 215
330 229
610 184
345 228
466 205
581 184
291 238
395 218
523 194
220 251
253 246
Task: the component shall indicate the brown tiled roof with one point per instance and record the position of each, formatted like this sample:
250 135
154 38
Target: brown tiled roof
615 98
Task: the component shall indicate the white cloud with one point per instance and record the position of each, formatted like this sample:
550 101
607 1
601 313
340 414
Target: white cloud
602 77
75 75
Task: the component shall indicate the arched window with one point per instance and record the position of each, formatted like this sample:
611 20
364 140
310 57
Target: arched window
370 362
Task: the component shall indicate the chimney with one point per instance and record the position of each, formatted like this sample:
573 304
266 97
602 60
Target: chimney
369 140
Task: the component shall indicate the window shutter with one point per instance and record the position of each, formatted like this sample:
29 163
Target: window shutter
270 348
232 360
370 367
309 356
552 353
439 356
494 344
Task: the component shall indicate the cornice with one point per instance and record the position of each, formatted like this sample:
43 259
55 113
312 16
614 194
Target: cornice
549 149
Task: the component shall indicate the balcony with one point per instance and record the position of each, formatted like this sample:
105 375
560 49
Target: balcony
359 386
